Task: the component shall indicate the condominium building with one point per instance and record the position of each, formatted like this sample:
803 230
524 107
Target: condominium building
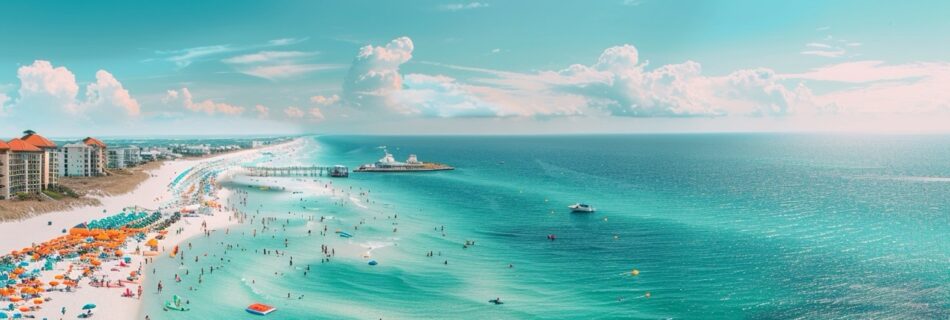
4 170
24 167
86 159
124 157
50 165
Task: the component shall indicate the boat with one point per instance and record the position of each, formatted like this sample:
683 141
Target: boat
580 207
175 304
388 163
260 309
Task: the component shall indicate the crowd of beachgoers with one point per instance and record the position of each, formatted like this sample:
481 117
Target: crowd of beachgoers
94 262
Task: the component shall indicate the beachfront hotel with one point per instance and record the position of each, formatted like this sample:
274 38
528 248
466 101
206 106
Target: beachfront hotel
85 159
124 157
24 168
50 165
27 165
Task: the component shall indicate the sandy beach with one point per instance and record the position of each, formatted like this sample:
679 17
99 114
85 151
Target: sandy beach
152 194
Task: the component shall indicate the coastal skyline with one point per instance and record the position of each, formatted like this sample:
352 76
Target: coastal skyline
124 69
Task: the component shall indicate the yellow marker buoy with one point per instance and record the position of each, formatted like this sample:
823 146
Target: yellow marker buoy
635 272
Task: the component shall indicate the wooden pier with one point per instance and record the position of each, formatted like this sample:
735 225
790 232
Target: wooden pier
298 171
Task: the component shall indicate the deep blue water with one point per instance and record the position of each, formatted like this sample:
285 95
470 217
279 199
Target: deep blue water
719 226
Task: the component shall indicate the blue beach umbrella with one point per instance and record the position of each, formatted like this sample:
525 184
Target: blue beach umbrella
89 306
3 315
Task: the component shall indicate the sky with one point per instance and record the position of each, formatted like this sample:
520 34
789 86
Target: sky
140 68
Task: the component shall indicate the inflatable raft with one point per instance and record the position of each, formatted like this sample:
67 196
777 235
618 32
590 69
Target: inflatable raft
260 309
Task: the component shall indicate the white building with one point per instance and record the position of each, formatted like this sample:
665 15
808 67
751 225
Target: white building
124 157
86 159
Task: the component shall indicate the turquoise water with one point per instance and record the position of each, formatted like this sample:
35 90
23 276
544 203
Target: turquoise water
718 226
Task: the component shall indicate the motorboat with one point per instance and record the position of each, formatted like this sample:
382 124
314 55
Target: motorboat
580 207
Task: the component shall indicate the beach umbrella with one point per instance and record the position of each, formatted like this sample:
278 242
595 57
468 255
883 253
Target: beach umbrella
17 315
89 306
3 315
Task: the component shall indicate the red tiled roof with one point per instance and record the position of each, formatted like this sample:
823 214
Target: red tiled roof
93 141
38 140
4 145
17 145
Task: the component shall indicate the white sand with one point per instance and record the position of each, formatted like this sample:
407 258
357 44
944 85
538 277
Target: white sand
150 194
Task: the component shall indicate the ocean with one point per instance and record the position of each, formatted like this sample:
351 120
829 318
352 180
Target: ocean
725 226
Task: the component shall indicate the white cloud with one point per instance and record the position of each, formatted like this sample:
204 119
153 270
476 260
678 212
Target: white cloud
325 100
294 112
879 88
463 6
817 45
206 106
268 56
107 92
621 85
42 84
375 73
262 111
825 53
496 50
185 57
49 90
316 114
276 65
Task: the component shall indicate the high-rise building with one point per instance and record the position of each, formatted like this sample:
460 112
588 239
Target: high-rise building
50 165
86 159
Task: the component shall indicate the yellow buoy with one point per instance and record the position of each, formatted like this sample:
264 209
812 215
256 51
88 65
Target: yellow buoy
647 294
635 272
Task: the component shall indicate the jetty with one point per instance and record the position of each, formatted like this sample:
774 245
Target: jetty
298 171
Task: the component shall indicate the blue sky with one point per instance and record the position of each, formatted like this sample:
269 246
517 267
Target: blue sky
230 67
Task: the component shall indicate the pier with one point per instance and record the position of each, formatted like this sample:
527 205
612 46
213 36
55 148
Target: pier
298 171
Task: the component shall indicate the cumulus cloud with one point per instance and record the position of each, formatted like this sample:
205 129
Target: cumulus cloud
325 100
294 112
206 106
107 92
621 85
46 89
297 113
316 114
463 6
42 84
375 72
262 111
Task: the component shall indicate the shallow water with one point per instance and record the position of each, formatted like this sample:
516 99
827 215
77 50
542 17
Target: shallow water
718 226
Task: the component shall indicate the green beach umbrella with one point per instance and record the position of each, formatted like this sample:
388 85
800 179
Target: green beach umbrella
89 306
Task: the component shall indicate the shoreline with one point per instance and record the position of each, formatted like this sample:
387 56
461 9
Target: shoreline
151 194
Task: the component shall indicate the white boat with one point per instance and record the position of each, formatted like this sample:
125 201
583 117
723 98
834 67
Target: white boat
580 207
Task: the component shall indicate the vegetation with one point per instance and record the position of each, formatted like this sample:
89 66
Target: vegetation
59 191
